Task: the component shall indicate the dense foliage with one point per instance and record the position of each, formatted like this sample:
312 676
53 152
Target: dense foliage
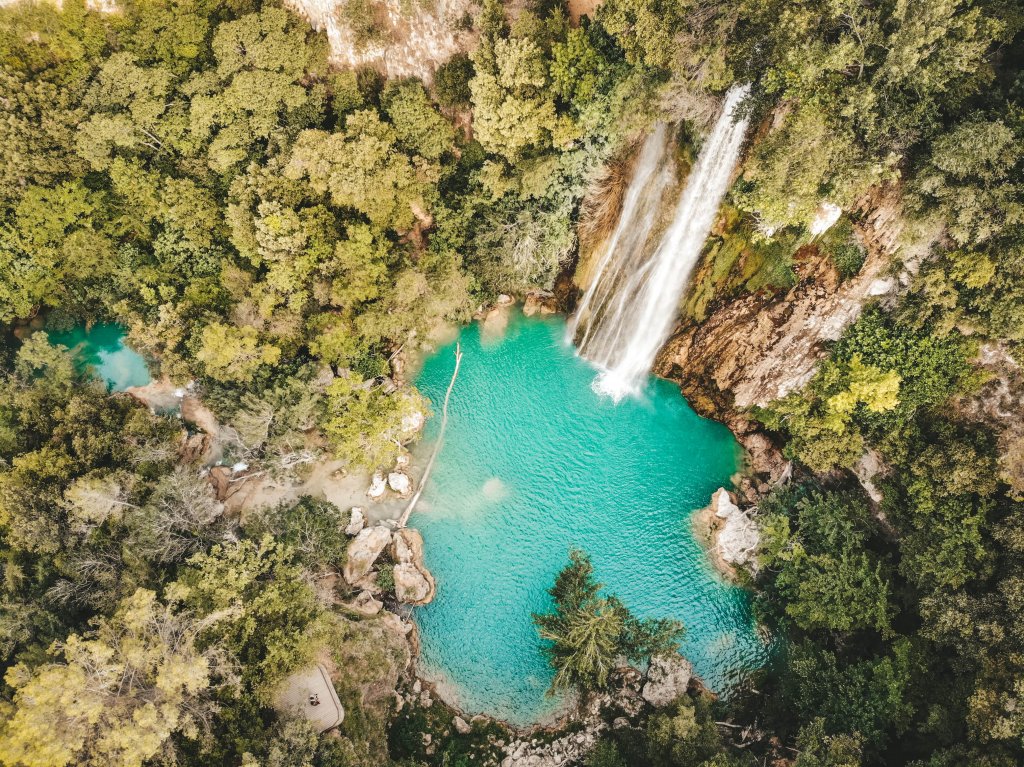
278 230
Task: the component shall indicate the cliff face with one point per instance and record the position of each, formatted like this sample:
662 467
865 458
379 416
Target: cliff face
758 347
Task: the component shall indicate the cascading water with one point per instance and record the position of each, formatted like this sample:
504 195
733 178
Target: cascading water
626 314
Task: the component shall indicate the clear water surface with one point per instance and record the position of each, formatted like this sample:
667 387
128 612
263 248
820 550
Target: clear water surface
102 348
534 463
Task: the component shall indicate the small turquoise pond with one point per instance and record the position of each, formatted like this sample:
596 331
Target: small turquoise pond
102 348
534 463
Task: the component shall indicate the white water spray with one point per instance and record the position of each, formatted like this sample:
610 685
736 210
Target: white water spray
627 312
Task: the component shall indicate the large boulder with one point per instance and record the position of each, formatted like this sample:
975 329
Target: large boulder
378 486
366 604
356 522
667 679
411 585
413 582
363 551
738 536
400 482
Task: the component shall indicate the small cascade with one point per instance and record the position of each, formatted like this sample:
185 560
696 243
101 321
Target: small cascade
627 312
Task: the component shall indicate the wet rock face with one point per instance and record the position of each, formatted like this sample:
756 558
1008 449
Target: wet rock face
667 679
759 347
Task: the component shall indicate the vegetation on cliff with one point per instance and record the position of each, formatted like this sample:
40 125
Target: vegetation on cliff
277 230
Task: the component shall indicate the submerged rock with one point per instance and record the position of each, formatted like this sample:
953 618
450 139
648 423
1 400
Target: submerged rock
414 584
667 679
738 536
356 523
363 551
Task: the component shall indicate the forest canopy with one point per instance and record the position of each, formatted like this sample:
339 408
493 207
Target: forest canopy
276 231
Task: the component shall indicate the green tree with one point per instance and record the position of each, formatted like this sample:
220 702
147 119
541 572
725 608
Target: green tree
116 695
587 633
233 354
362 168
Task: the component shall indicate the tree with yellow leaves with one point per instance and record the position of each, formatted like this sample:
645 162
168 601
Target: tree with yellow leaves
116 695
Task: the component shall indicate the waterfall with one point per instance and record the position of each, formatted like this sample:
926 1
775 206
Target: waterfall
627 312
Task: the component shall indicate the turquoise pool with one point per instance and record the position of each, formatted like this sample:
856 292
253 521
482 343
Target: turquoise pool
535 463
102 348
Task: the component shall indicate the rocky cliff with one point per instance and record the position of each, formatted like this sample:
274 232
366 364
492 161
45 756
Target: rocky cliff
757 347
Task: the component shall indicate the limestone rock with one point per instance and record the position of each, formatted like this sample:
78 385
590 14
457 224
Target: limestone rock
413 582
400 482
495 322
868 467
411 586
363 551
356 523
365 604
412 423
738 537
667 678
539 302
378 486
461 726
757 347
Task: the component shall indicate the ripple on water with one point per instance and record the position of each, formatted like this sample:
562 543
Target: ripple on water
535 463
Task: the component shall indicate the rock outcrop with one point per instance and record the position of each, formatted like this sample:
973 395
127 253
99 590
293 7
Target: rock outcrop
356 522
736 533
667 679
400 482
365 604
540 302
758 347
414 584
378 486
363 551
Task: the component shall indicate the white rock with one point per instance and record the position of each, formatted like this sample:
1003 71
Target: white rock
722 504
738 537
357 522
378 486
240 466
413 422
402 460
667 679
417 687
461 726
825 218
411 585
880 287
363 551
400 482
